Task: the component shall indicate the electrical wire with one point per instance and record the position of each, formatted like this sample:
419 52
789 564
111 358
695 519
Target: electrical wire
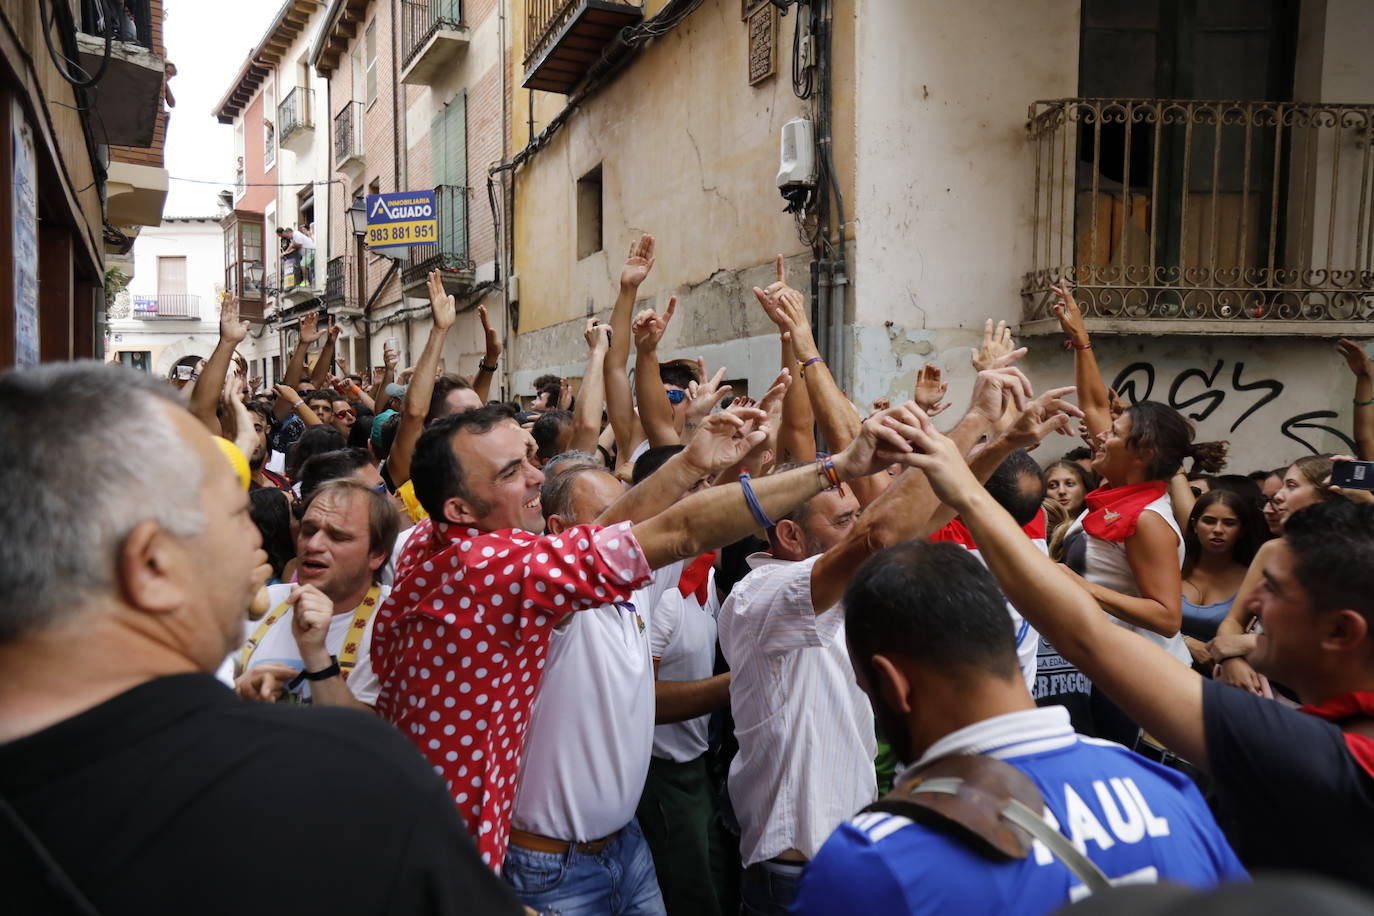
258 184
46 22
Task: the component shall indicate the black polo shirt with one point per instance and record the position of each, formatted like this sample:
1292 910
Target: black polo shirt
177 798
1288 793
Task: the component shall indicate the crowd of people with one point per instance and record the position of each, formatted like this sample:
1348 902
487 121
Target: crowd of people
650 647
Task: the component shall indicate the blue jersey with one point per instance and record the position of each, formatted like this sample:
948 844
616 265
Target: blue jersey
1138 821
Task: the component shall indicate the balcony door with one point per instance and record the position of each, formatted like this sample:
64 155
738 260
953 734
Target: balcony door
1170 190
171 276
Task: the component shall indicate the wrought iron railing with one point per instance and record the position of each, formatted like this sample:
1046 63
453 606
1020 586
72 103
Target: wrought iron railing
132 20
340 283
422 18
451 251
295 113
1193 209
166 305
544 19
348 133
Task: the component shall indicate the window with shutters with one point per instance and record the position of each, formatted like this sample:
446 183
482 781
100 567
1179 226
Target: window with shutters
370 51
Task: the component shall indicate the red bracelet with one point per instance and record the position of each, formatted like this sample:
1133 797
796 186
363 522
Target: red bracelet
1086 346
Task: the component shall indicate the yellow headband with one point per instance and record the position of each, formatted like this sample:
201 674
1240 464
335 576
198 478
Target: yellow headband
236 460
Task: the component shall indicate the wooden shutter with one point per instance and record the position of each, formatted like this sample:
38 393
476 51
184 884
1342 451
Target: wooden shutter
171 276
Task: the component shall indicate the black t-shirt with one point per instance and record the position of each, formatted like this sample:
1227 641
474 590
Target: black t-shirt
177 798
1059 683
1287 791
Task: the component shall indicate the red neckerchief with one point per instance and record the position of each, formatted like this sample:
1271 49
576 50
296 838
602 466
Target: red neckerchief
1113 511
696 577
1352 705
957 532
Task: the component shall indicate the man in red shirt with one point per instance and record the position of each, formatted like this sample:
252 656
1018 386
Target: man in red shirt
460 644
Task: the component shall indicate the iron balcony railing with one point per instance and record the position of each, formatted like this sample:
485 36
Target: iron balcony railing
1193 209
166 305
348 133
451 251
544 19
295 113
132 20
340 283
420 19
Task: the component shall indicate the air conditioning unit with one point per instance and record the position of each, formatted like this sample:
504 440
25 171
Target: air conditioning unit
797 163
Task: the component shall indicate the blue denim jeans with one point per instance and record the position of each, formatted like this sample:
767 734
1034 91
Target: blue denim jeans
769 888
619 880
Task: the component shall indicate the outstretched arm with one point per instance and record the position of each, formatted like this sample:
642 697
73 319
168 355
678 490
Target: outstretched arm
486 372
1154 690
619 404
205 396
1092 391
655 413
591 397
1358 361
416 403
320 373
797 438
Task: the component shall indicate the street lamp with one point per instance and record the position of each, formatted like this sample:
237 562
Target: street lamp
252 272
357 217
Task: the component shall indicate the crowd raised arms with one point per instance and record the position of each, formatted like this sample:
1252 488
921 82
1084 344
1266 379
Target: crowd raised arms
555 656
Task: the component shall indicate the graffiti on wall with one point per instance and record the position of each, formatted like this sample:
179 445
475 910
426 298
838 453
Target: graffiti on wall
1198 392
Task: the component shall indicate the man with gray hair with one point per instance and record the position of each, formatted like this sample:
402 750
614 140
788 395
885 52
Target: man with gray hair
125 768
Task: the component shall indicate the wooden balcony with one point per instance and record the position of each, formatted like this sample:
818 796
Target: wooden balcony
565 37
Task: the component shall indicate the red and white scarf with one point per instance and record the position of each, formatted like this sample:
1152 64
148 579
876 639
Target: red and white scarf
1114 511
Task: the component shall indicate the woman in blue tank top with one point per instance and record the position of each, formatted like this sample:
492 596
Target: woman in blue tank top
1224 530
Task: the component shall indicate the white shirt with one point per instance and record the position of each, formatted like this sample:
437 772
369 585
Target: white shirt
592 724
805 730
303 240
279 645
683 639
1105 564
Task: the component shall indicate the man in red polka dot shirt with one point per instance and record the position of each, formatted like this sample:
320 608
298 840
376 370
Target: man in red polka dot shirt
459 646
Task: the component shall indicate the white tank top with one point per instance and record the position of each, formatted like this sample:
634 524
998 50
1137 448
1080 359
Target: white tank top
1106 565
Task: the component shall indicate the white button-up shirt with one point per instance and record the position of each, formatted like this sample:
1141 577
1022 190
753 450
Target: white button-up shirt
805 729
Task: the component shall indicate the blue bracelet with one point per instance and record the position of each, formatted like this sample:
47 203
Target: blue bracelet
759 515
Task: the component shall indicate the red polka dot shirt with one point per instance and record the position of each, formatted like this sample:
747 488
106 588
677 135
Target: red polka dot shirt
459 647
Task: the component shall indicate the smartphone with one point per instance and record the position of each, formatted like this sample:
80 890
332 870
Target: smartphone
1354 475
184 372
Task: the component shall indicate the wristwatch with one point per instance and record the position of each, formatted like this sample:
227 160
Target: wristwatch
324 674
482 365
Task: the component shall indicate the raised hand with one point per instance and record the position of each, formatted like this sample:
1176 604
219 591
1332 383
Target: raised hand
254 384
1353 494
564 394
489 332
763 454
785 306
939 457
596 334
1046 414
1355 357
997 342
389 358
931 390
638 263
441 303
996 389
882 440
310 328
231 329
724 439
880 404
649 326
1070 316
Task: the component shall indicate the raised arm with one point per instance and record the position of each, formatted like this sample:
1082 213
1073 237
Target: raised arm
701 398
486 369
591 397
619 404
655 412
720 515
205 396
287 396
295 366
1154 690
1092 391
416 403
797 438
1181 498
320 373
1358 361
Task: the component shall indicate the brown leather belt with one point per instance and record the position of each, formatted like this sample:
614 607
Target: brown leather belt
536 843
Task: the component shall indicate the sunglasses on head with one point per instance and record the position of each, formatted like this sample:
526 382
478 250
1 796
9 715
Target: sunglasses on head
676 395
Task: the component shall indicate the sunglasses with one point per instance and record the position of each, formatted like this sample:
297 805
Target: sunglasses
346 415
676 395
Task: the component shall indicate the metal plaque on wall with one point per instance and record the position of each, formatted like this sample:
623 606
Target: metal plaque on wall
763 43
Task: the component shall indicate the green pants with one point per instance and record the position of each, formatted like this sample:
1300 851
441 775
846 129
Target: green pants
677 814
